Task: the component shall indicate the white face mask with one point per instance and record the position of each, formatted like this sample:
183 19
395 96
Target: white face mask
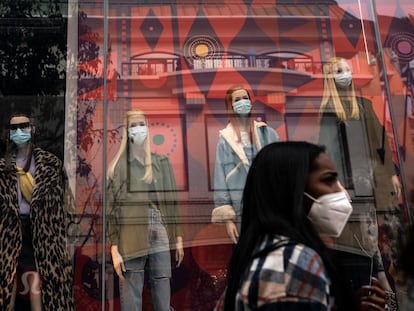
137 134
329 213
343 80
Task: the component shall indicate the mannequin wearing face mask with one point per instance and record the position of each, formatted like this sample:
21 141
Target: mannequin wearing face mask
343 117
349 128
237 146
143 217
27 203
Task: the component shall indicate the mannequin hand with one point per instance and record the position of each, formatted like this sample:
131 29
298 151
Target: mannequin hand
179 251
372 297
118 262
232 231
397 185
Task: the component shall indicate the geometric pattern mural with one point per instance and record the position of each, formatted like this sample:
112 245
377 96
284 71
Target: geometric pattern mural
175 60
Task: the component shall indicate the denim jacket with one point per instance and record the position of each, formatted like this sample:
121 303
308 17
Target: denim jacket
231 167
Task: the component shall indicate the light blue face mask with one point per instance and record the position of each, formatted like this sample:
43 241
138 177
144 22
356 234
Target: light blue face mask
242 107
20 138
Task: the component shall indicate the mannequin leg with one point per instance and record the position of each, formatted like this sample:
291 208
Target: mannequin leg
35 292
13 297
132 286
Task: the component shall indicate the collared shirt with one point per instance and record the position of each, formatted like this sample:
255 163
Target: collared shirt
291 277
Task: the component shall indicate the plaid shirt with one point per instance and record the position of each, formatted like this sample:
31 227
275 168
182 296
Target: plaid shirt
290 277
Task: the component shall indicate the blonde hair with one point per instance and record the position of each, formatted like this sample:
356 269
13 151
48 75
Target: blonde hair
330 92
123 147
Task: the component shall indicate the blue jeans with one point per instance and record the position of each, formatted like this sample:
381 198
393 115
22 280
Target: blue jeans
158 265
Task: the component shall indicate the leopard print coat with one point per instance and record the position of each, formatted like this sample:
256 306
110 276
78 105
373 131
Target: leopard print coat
49 233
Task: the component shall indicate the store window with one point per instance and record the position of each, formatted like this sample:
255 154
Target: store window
109 83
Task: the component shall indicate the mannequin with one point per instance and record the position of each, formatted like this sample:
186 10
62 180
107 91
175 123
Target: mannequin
33 225
143 217
352 134
237 146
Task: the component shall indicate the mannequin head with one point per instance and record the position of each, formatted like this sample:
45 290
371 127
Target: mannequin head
21 130
137 130
339 86
133 118
20 138
233 99
234 96
338 70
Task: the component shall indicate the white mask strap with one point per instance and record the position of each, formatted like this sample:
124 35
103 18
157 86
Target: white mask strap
310 197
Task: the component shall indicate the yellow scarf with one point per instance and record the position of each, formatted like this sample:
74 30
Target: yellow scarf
26 183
